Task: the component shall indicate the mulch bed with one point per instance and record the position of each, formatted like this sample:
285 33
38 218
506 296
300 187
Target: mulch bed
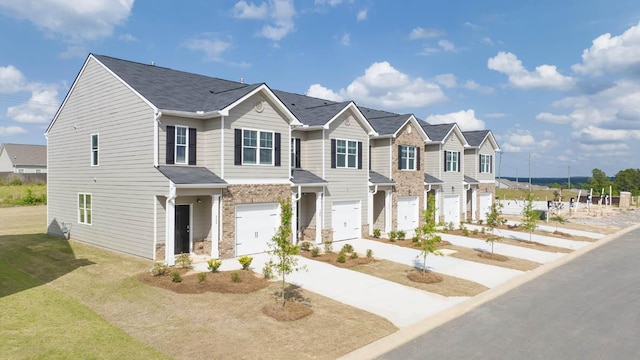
214 282
427 278
292 310
405 243
332 258
490 256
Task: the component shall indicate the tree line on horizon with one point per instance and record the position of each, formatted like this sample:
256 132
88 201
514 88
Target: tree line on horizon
624 180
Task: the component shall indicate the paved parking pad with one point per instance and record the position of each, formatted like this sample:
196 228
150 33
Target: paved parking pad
547 240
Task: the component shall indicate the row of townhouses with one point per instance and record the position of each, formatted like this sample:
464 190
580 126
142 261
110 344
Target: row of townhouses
148 161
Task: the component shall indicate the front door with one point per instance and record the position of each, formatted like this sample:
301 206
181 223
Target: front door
182 229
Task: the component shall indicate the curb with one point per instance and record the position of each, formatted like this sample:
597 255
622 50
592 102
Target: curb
404 335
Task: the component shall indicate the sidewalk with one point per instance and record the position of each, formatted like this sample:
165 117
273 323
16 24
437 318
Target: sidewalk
547 240
549 228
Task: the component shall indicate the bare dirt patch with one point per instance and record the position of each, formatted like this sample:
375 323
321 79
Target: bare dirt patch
291 311
524 243
332 258
449 286
427 277
472 255
405 243
492 256
220 282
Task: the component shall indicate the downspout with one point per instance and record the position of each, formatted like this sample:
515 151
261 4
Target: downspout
156 141
375 190
297 197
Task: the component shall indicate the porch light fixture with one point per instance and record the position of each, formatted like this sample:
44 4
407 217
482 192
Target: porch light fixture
199 201
453 189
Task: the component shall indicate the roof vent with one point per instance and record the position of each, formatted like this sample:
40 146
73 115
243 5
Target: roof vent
241 80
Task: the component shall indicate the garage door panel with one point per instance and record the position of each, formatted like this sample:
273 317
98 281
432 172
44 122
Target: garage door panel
345 220
451 209
485 201
256 224
408 213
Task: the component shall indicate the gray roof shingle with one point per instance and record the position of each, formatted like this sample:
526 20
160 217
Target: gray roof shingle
383 122
190 175
26 154
302 177
377 178
470 180
475 138
437 132
309 110
428 179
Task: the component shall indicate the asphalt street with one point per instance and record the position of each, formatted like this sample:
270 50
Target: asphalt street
586 309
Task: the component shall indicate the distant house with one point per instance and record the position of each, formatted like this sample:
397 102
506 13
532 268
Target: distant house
23 158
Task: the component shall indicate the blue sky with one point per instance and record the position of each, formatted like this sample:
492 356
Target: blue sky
556 81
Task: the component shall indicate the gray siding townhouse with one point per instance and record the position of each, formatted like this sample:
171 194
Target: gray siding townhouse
23 158
397 195
444 175
479 171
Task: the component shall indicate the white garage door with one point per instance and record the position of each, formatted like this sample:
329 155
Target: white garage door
451 209
345 220
256 224
408 213
484 204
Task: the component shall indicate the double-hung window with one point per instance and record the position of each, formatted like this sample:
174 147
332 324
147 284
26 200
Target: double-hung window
485 163
84 209
181 144
407 159
94 149
452 161
257 147
346 154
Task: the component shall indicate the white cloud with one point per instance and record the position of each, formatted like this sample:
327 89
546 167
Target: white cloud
610 54
11 130
319 91
428 51
211 44
73 51
497 115
446 80
466 120
75 20
472 85
346 39
594 134
472 26
245 10
11 80
382 86
39 108
554 118
544 76
519 141
422 33
487 40
128 38
447 45
277 13
328 2
362 15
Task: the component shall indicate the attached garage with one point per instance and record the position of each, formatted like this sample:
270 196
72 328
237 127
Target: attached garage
408 213
451 209
484 204
345 220
256 224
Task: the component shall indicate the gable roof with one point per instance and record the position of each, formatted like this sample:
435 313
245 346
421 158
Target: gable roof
191 175
388 124
304 177
379 179
26 154
478 137
429 179
309 110
439 132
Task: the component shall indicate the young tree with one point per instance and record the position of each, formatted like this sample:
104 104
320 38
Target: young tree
558 219
428 236
282 249
529 216
494 218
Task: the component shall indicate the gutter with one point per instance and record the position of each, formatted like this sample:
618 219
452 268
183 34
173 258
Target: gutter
195 115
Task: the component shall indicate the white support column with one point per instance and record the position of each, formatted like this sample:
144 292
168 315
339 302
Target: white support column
474 203
387 211
319 211
370 196
438 204
215 226
170 222
294 219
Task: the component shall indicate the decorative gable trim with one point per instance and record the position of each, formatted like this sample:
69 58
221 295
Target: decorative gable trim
271 96
357 115
412 119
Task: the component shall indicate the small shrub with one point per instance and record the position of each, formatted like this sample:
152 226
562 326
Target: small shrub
479 221
267 271
175 277
476 231
401 234
369 253
184 261
328 246
341 258
465 231
235 277
483 230
347 248
159 268
392 236
354 255
245 261
450 226
16 182
462 226
315 251
376 233
305 245
202 276
213 264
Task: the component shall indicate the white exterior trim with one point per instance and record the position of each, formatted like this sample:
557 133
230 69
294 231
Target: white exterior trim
257 181
359 116
279 104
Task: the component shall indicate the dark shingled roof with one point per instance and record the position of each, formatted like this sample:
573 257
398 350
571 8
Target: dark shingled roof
437 132
470 180
428 179
383 122
301 177
475 138
177 90
26 154
309 110
376 178
190 175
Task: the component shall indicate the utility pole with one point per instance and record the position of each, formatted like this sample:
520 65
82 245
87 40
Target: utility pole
517 181
569 176
529 172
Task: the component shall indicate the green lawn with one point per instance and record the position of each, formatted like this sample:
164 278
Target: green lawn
41 322
14 195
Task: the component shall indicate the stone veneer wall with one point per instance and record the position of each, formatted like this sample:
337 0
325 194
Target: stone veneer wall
244 194
408 183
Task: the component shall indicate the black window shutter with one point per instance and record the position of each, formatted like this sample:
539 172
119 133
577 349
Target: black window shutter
359 154
237 146
400 160
298 155
193 138
333 153
458 161
171 144
417 158
445 161
491 163
480 162
277 151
